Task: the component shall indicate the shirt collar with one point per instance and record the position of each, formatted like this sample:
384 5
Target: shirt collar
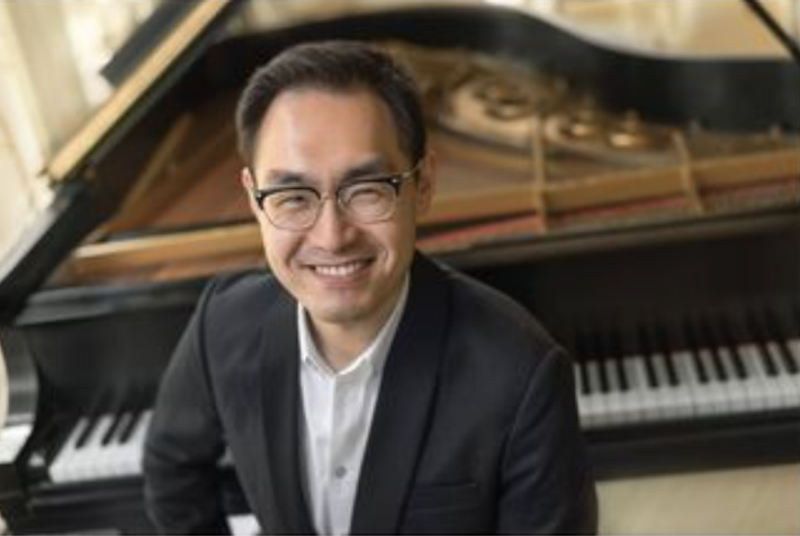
372 358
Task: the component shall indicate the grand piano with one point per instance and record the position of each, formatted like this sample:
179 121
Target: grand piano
644 207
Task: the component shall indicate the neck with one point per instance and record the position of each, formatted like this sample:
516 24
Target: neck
340 343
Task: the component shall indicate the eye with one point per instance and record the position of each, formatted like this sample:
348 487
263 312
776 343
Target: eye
365 193
292 200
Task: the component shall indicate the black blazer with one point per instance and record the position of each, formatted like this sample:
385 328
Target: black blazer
475 429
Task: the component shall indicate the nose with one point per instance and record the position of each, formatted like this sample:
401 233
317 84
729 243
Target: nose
332 230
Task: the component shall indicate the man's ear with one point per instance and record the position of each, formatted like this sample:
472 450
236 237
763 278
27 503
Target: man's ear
426 183
249 184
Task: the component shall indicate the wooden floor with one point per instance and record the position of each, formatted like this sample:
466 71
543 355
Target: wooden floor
759 500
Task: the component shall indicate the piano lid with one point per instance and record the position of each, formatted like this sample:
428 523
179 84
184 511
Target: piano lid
96 169
145 68
144 75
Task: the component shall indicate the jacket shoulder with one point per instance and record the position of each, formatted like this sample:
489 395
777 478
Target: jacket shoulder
239 293
487 310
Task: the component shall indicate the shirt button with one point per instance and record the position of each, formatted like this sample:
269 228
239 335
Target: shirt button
340 471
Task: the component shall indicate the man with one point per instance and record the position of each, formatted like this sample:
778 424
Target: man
361 388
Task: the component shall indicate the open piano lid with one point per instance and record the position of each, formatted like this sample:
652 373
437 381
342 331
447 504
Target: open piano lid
79 203
98 167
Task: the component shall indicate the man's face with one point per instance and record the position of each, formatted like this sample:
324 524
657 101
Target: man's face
343 272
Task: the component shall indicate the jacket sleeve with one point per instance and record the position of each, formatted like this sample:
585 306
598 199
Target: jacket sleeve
547 485
185 442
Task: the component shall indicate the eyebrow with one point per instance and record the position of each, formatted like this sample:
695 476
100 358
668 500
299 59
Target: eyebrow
280 177
370 167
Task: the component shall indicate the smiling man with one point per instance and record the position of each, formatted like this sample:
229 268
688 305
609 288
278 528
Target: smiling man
359 387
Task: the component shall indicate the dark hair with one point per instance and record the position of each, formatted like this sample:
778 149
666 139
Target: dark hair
336 66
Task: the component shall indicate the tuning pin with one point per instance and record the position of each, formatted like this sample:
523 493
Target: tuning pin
630 133
585 123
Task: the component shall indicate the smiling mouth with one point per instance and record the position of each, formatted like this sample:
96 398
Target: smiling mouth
343 270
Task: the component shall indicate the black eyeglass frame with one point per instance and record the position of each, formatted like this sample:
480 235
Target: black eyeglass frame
395 180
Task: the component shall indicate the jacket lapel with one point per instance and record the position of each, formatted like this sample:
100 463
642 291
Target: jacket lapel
403 410
281 400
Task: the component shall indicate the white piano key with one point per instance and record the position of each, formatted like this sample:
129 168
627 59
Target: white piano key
689 380
112 449
105 456
73 464
717 398
613 396
794 348
244 525
596 412
637 393
767 394
789 380
775 379
790 388
661 391
625 400
131 452
626 407
674 401
580 395
705 397
751 396
734 394
59 467
85 462
733 388
649 400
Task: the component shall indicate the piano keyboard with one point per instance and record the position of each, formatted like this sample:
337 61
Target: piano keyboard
613 390
621 389
106 446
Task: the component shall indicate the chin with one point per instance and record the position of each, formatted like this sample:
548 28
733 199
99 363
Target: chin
336 315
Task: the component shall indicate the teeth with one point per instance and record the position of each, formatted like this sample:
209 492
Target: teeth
338 270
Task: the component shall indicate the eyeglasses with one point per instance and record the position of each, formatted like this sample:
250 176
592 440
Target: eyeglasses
369 199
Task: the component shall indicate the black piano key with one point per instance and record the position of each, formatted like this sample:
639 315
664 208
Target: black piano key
781 336
723 336
615 347
57 440
766 359
693 346
128 429
612 360
756 331
601 372
578 380
647 350
719 372
122 427
659 337
584 374
796 360
794 330
789 361
112 430
583 358
94 420
622 376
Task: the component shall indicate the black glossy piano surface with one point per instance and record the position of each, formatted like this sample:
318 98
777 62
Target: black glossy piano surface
684 320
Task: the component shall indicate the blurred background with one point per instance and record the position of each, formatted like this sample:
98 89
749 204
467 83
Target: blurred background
52 52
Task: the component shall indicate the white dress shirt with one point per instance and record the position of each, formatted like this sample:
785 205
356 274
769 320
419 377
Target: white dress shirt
337 414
